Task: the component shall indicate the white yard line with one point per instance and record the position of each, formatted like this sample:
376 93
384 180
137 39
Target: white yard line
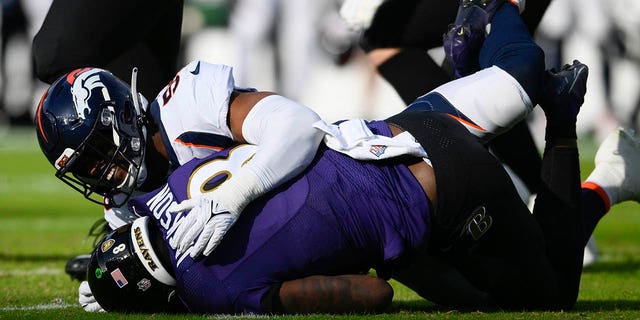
49 306
29 272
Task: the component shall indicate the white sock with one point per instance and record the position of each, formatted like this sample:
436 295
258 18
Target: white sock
609 180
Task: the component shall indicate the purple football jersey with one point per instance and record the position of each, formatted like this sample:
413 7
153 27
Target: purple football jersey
341 216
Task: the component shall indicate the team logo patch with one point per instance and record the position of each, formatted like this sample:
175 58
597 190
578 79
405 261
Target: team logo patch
377 150
144 284
119 278
478 224
107 245
62 161
64 158
82 88
98 273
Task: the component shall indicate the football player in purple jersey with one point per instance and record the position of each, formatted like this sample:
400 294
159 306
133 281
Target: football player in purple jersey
454 218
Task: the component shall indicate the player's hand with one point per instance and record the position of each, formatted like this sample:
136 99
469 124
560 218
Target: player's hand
358 14
87 300
206 224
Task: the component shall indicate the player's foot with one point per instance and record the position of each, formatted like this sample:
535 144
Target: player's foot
617 168
76 267
563 93
464 38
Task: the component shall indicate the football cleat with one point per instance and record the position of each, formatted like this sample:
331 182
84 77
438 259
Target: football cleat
77 267
464 38
563 92
618 166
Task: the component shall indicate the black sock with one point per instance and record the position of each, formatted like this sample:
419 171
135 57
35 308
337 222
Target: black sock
593 209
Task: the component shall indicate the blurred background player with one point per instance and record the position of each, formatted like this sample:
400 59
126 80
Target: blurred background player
289 28
19 86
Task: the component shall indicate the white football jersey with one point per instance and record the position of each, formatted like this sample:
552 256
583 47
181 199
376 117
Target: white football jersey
192 111
192 115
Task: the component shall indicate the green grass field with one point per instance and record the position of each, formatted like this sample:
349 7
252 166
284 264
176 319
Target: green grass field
43 223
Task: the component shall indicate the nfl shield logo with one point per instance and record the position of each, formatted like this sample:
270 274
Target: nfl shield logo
377 150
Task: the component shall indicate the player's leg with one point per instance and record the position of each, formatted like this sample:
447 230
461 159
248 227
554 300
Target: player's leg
550 249
492 100
397 41
483 229
438 281
480 227
517 149
510 47
558 207
615 178
410 71
116 36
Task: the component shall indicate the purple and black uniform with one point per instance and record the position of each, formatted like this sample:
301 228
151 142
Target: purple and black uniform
341 216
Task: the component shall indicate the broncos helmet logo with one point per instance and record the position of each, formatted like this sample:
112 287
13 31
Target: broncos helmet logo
83 82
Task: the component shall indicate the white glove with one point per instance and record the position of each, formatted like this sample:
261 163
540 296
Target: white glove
207 218
358 14
87 300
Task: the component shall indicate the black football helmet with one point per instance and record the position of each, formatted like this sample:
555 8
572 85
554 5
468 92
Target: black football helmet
129 271
91 128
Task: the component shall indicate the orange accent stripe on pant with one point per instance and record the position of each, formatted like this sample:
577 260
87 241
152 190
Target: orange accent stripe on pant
465 122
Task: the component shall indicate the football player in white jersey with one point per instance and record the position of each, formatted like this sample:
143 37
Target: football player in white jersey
107 142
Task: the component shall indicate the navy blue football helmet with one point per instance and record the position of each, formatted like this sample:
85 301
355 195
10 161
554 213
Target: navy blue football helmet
130 271
91 128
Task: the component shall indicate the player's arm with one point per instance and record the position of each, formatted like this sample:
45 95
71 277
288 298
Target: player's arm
286 142
333 294
286 139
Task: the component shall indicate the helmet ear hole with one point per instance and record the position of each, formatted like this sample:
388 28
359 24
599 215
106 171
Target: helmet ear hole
128 115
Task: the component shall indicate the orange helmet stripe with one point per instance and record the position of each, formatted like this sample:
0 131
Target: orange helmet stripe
71 77
39 113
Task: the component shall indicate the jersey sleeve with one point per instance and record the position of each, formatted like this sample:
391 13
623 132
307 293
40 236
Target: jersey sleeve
192 111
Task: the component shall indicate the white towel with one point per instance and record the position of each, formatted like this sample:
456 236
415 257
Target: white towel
354 139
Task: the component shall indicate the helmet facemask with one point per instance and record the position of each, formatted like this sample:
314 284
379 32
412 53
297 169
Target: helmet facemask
110 159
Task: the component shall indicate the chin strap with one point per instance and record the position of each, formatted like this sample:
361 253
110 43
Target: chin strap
137 98
134 89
